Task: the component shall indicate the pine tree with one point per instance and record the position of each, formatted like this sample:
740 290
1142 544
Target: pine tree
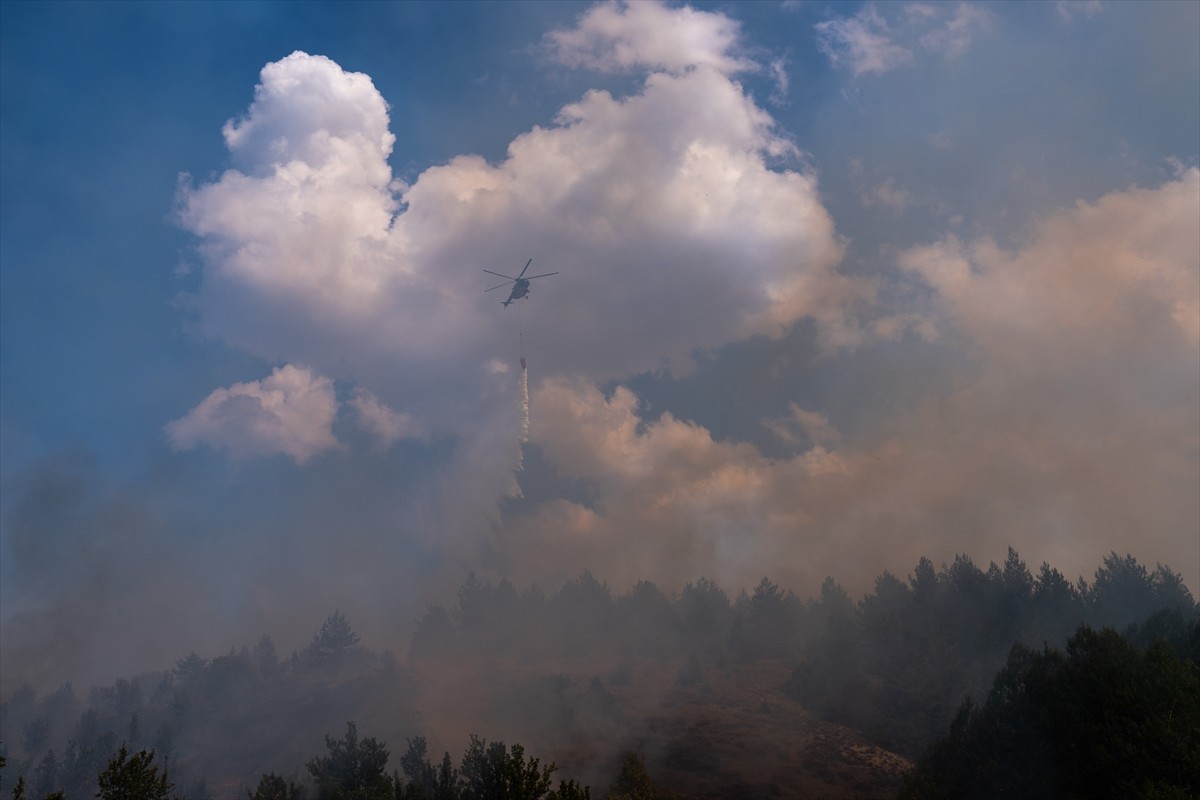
133 778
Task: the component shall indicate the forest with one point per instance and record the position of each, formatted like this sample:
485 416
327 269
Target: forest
930 685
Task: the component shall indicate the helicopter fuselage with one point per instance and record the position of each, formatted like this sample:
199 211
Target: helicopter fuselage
520 289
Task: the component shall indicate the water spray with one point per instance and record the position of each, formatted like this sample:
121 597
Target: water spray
524 402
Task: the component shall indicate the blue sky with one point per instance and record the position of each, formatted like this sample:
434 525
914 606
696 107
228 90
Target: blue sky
841 285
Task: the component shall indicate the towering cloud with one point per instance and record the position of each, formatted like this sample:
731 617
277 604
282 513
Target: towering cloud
298 239
679 210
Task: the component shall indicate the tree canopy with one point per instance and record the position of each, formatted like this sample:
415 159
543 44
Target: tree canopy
1104 719
134 777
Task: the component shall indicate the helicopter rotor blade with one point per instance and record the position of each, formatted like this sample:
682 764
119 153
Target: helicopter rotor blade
501 286
500 275
527 263
543 275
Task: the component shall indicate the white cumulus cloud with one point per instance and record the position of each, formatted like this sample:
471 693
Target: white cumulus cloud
303 225
290 412
678 219
623 35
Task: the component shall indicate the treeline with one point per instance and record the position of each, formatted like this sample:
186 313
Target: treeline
218 722
356 769
894 665
125 778
1111 717
897 665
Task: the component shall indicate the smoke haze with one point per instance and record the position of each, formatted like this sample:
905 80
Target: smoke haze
803 327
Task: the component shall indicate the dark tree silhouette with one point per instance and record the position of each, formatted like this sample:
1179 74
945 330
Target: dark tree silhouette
352 770
189 670
276 787
472 608
423 780
633 782
704 615
266 661
133 778
434 632
46 776
766 624
494 772
1105 719
333 642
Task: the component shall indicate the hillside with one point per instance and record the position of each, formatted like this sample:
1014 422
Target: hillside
764 695
728 732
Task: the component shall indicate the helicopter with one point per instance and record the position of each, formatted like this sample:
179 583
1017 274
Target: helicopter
520 283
